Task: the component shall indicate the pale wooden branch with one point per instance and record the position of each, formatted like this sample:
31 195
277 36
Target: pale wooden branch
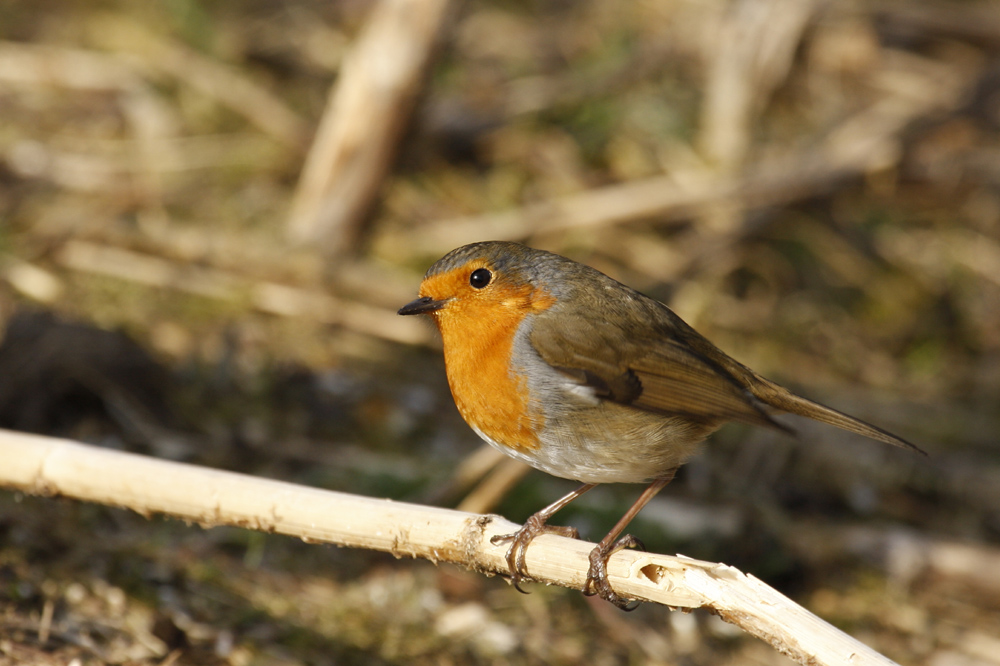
365 115
54 467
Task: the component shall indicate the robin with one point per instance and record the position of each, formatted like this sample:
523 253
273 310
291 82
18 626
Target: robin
562 367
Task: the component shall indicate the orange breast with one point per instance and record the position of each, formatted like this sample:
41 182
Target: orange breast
478 335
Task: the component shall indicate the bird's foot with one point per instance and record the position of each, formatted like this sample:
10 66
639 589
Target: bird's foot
597 577
519 540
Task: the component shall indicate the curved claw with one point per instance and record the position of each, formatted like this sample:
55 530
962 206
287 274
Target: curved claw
519 542
597 577
512 558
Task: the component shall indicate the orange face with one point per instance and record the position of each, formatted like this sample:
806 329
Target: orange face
477 325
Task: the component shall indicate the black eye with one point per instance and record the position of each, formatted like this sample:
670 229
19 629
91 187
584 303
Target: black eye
480 278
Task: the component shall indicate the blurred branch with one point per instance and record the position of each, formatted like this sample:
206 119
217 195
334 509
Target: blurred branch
661 197
470 471
930 258
867 141
977 21
269 297
905 555
151 120
225 84
366 113
80 69
48 466
494 486
751 58
136 167
32 281
76 69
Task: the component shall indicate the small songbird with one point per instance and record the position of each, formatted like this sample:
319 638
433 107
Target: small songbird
558 365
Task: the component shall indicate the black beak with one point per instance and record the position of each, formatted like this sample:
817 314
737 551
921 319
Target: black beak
421 306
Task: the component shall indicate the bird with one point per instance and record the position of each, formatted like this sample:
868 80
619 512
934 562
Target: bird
560 366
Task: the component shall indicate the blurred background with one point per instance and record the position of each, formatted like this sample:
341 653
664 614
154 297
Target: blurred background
210 211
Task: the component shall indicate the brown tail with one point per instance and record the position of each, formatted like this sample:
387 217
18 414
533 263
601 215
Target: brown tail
781 398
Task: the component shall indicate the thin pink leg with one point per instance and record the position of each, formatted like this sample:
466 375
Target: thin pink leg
597 577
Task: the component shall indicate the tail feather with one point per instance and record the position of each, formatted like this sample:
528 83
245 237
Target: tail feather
781 398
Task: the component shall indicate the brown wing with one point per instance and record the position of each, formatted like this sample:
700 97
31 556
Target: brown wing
677 371
661 373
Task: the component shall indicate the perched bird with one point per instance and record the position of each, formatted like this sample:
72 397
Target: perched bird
558 365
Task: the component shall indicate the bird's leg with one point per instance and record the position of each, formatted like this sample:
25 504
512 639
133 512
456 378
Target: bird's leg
597 577
534 526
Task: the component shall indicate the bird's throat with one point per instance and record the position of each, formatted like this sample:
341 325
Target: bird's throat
491 394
